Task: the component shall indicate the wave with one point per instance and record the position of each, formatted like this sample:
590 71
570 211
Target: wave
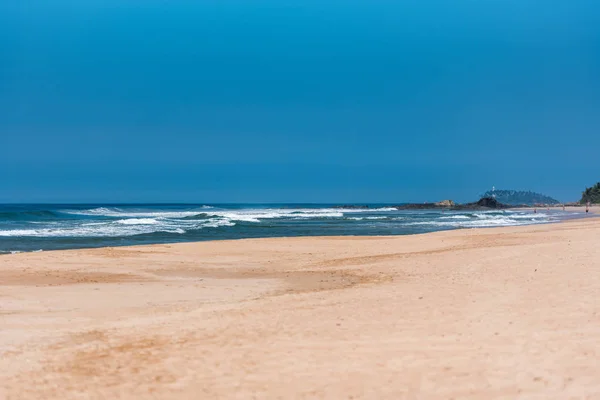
242 215
120 228
80 231
484 219
218 223
456 217
119 213
256 215
530 216
93 211
137 221
486 223
366 218
124 222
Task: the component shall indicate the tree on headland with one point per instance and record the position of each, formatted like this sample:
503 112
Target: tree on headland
591 194
519 197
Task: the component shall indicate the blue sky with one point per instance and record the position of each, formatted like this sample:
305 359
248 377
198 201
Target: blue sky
311 101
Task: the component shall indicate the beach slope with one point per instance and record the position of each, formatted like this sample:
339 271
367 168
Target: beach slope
470 314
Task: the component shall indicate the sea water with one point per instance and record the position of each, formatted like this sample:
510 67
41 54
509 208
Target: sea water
64 226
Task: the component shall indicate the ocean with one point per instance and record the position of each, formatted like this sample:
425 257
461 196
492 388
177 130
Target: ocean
67 226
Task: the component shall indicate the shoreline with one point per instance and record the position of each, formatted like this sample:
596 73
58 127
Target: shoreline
467 313
594 210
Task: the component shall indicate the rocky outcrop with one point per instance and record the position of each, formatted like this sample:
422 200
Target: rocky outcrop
445 203
489 202
483 203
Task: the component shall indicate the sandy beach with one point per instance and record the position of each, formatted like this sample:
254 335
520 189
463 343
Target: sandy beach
508 313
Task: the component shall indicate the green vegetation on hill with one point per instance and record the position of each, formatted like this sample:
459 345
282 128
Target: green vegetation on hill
519 197
591 194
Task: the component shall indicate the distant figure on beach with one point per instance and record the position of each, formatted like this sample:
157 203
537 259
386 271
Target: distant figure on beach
535 210
563 207
587 207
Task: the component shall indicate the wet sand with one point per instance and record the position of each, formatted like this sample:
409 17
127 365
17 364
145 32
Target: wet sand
469 314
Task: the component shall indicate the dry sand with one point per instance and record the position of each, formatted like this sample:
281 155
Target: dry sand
488 313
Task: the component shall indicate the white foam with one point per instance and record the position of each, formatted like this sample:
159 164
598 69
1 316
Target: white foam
363 218
256 215
137 221
218 223
530 216
94 211
456 217
108 230
485 215
477 223
123 227
490 222
493 218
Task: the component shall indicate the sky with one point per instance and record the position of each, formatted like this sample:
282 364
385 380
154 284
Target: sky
297 101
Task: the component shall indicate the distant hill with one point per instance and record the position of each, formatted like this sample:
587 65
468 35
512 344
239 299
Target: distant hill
520 197
591 194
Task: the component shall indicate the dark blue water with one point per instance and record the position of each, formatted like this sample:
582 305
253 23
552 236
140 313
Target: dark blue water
67 226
